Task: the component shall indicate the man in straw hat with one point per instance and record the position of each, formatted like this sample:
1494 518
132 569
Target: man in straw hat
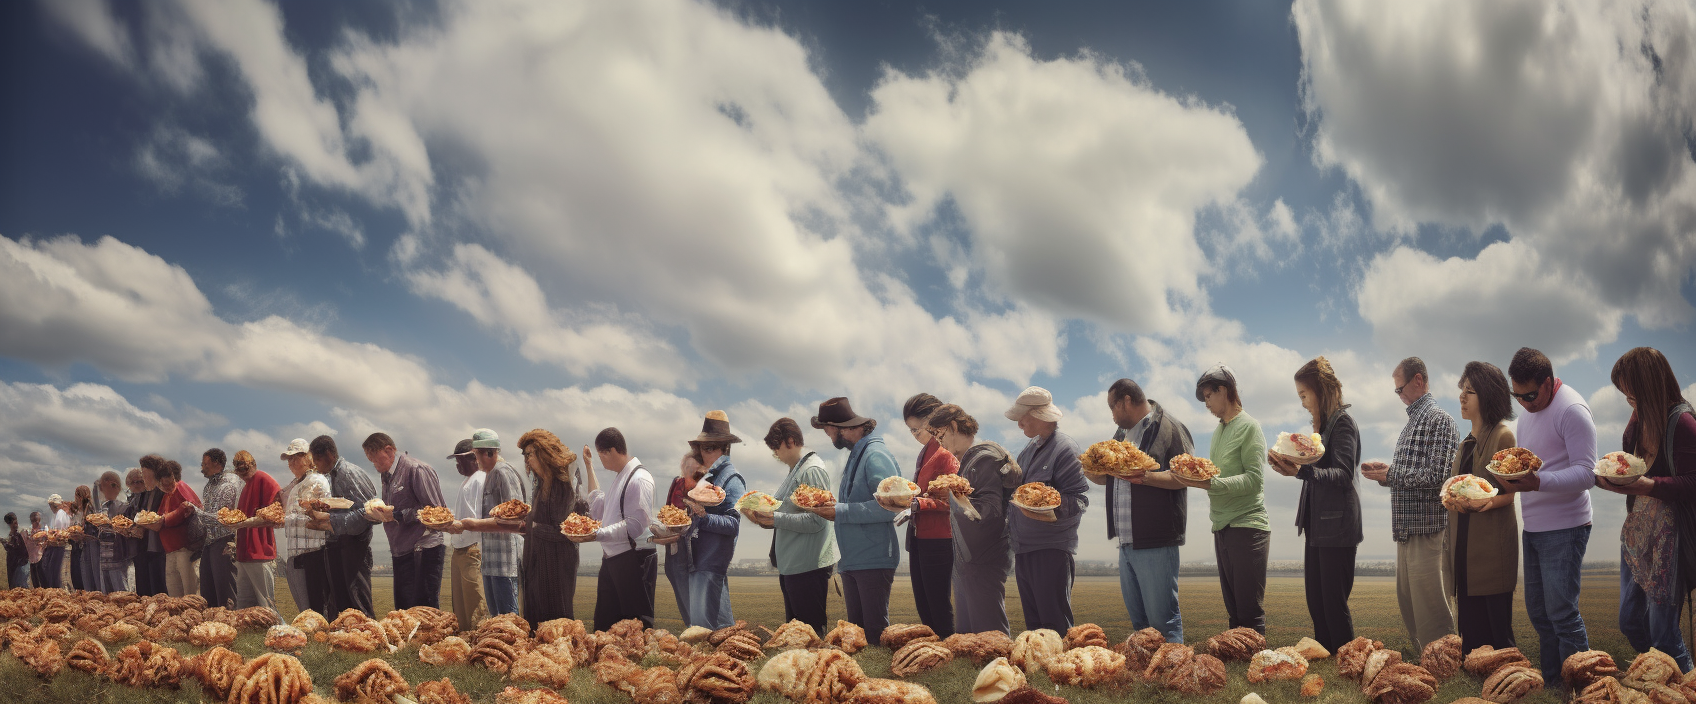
1044 545
713 530
865 530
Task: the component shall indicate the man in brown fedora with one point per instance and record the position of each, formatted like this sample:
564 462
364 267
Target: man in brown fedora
712 533
865 530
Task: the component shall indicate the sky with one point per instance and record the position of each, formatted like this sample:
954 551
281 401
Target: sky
232 223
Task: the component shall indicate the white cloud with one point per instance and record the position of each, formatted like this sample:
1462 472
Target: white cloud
1566 123
90 21
1079 180
92 419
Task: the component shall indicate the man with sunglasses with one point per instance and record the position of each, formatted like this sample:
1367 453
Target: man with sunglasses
1555 505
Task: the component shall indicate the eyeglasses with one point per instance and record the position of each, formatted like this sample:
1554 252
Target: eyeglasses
1399 388
1527 397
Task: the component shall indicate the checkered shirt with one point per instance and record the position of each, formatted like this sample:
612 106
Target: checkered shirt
301 540
1424 453
501 550
222 491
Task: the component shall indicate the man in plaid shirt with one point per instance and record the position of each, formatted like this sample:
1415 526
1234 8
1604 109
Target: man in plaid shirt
502 540
1418 522
217 559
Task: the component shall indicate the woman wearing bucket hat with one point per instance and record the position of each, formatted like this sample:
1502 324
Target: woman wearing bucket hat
865 528
1242 535
713 530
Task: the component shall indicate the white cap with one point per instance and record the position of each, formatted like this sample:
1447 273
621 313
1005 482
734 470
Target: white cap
297 446
55 499
1037 403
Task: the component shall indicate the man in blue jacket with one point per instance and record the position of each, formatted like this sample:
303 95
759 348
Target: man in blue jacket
713 530
865 530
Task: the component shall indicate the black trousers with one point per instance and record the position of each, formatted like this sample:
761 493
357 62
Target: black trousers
625 588
217 572
52 567
1045 588
1329 574
76 568
149 573
804 596
930 563
1241 555
349 561
37 576
418 578
865 596
316 568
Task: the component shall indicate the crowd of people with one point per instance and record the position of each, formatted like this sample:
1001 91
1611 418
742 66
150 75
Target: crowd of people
1457 559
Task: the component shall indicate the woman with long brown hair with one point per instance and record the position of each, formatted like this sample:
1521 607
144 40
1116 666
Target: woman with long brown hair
1658 541
1483 533
85 563
549 564
1329 509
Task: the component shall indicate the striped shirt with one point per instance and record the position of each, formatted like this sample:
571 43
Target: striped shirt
1424 453
1122 493
299 538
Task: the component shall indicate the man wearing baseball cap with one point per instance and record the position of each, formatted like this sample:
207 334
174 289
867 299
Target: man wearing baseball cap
501 541
465 567
865 530
1044 546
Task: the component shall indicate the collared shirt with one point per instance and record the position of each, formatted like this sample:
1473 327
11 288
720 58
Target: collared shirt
410 485
632 510
467 505
501 550
1424 453
300 539
1122 493
223 490
348 481
60 521
33 545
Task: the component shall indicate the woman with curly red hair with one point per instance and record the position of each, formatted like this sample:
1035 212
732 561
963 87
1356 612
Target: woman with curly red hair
548 579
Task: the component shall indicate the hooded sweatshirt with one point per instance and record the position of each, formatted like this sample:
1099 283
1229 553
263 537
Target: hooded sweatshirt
993 474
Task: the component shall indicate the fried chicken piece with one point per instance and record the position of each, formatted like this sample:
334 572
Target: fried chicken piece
980 647
433 624
360 637
508 628
310 621
552 631
1030 695
1139 647
794 634
665 646
1585 667
878 691
631 634
212 633
1442 657
1608 690
145 664
1351 656
1200 675
1485 660
217 670
59 611
1653 667
1312 685
349 617
40 655
440 692
742 646
1375 663
833 675
1512 683
918 657
89 656
897 635
271 678
537 666
1311 649
996 680
715 679
1085 666
398 627
285 637
119 632
1401 683
1085 634
846 637
452 650
514 695
496 654
1276 665
1167 658
373 681
1236 644
1032 649
786 673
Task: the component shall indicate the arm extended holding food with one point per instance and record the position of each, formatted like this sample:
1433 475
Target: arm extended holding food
878 466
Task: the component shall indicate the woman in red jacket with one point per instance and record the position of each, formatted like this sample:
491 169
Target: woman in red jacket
177 513
930 542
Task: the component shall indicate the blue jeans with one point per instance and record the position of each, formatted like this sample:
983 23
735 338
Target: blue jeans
501 593
1647 624
1554 560
677 573
1148 580
116 579
19 577
709 600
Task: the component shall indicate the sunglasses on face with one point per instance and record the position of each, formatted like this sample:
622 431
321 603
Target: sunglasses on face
1527 397
1399 389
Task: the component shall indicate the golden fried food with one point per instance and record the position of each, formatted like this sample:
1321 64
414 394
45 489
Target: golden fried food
951 483
119 632
786 673
1037 495
579 525
231 516
1312 685
433 624
743 646
917 657
1653 667
1485 660
833 675
41 655
271 678
435 516
1376 662
1514 461
89 656
1511 683
495 654
398 626
1351 656
310 621
440 692
1403 683
1442 657
285 637
541 666
147 518
794 634
1276 665
561 628
1584 668
510 510
1236 644
673 516
1033 649
211 633
73 532
1608 690
360 637
1138 648
980 647
452 650
217 670
1198 469
1116 458
98 518
716 678
1166 659
514 695
374 680
1201 675
996 680
846 637
896 635
1085 634
1085 666
122 523
881 691
1311 649
271 513
146 664
807 496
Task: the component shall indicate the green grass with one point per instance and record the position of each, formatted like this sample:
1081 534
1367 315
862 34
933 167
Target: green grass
757 600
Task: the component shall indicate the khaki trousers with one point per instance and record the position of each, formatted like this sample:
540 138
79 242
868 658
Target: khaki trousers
181 577
256 585
1422 587
467 585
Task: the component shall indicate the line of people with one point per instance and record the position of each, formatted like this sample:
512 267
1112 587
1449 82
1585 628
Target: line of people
1457 560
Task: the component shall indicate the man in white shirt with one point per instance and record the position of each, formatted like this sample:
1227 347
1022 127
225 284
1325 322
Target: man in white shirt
466 569
629 566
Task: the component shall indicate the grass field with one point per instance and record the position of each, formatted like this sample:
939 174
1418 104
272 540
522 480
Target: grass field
757 600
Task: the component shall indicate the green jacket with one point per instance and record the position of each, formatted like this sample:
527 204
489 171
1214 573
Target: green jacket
803 541
1238 497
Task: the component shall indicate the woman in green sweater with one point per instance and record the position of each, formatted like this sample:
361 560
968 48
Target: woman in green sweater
1242 536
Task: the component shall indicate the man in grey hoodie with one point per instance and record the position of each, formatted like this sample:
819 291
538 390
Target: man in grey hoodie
1044 546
